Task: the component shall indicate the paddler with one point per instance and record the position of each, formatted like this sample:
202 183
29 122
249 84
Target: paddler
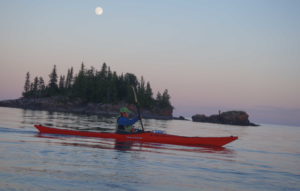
125 124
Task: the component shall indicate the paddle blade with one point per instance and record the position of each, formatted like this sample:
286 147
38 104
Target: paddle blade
134 93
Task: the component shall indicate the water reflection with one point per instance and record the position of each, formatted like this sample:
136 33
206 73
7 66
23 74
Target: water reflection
123 145
68 120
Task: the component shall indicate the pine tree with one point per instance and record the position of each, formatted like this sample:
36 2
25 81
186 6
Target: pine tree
82 69
26 85
41 87
158 97
103 72
163 100
52 86
121 88
114 85
148 96
35 86
90 84
149 92
41 84
93 85
79 86
61 82
131 79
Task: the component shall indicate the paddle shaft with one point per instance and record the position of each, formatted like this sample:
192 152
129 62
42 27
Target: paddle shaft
137 107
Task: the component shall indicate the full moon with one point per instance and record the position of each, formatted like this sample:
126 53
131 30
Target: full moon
99 11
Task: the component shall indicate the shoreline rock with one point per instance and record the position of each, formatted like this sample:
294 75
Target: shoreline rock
180 118
228 118
65 104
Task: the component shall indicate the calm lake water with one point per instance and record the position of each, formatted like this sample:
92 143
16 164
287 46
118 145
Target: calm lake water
264 158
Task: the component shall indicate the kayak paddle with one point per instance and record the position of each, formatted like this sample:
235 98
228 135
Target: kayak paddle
137 107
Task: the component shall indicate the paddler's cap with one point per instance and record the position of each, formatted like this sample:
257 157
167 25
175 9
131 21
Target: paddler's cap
125 110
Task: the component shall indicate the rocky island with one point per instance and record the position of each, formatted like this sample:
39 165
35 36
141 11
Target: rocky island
229 118
91 91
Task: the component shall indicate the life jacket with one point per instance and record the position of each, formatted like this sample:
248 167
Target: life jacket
123 128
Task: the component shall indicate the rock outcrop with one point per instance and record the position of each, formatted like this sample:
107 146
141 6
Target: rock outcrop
179 118
229 117
64 104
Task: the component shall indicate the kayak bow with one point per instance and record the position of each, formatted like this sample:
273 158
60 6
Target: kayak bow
144 137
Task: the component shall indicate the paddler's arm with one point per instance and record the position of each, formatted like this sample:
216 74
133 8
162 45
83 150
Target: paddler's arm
127 122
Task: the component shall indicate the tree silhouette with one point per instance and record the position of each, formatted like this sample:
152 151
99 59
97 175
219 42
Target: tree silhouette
26 85
52 86
91 85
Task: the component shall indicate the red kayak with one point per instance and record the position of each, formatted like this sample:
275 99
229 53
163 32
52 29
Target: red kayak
144 137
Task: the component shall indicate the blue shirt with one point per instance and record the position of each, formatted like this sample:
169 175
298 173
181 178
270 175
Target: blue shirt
124 121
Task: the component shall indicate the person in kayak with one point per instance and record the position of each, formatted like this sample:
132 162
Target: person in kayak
124 124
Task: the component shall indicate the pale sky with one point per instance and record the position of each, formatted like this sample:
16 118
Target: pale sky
210 55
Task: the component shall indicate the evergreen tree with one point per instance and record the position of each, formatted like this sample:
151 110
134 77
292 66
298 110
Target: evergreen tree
41 86
31 90
61 84
163 100
122 88
166 98
103 72
131 80
52 86
26 85
158 97
114 85
93 85
82 69
79 86
148 96
90 84
149 92
35 86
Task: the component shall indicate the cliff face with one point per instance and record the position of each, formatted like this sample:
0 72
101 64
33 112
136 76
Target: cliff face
63 104
229 117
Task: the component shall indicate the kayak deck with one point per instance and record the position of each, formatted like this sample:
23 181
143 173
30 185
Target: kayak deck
144 137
